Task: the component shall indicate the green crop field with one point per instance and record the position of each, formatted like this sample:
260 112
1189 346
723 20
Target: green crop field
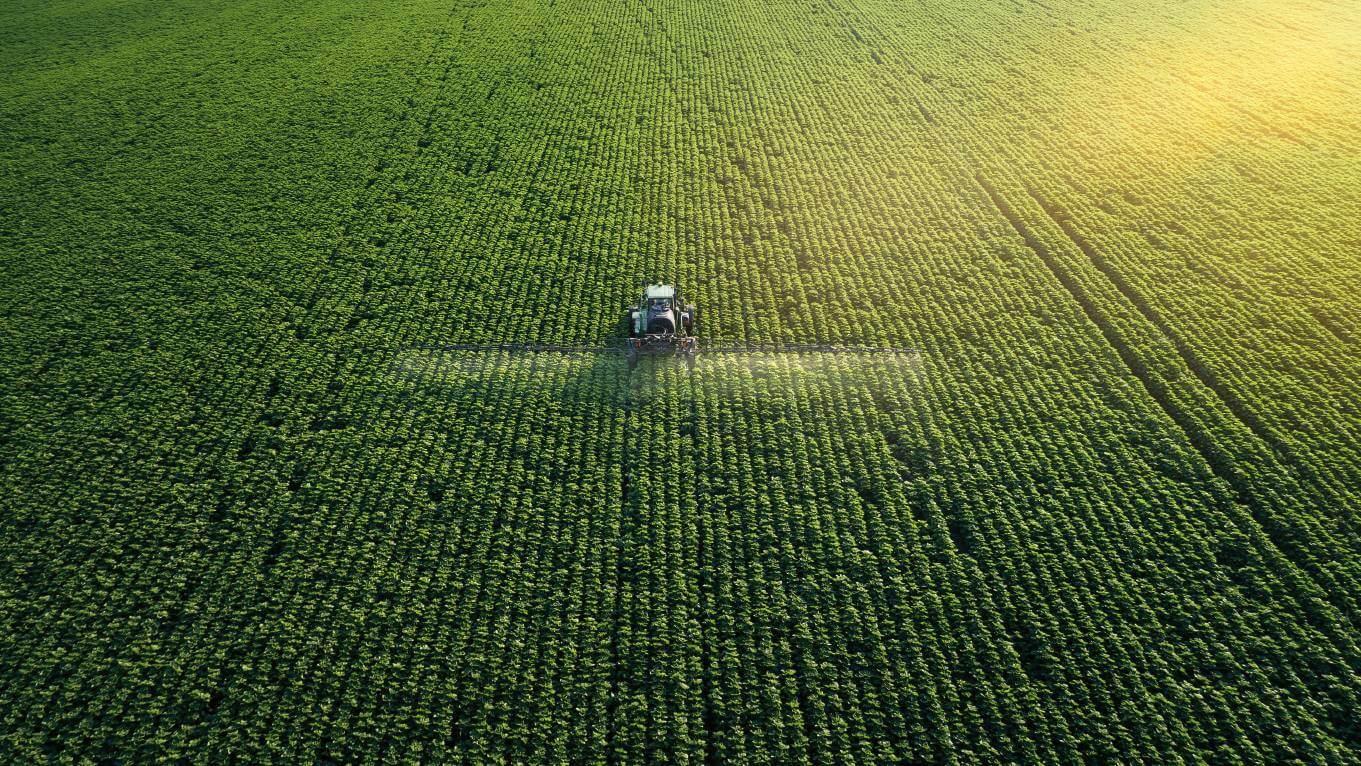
250 511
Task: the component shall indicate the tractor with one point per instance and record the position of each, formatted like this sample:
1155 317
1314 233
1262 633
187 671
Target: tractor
661 323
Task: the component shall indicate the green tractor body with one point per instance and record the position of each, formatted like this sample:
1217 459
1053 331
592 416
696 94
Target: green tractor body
661 323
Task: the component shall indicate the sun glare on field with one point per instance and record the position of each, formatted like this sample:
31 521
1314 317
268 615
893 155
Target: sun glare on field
1237 72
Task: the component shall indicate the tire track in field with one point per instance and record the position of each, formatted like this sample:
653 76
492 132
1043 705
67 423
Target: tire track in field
1281 538
1189 358
1221 464
1331 325
1290 537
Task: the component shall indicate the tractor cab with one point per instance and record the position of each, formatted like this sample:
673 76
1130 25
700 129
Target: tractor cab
660 295
660 312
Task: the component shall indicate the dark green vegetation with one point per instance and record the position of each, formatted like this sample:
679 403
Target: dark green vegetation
1109 516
